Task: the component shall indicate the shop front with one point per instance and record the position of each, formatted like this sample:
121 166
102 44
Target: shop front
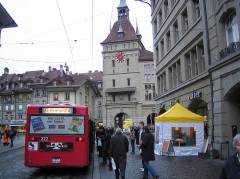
18 125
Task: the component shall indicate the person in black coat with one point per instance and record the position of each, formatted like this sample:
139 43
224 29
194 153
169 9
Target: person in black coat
231 169
147 147
118 150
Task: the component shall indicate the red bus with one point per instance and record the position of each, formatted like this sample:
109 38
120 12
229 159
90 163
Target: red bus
58 136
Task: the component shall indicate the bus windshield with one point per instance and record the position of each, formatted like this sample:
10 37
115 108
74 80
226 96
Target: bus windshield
56 124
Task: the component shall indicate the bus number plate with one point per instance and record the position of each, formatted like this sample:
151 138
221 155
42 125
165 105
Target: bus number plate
44 138
56 160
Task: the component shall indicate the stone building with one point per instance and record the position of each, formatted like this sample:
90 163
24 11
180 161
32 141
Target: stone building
128 74
180 55
196 50
39 87
223 19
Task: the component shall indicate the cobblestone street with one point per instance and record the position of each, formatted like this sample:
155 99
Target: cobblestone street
170 167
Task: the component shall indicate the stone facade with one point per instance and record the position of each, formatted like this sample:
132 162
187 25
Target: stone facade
52 87
128 73
180 55
196 50
224 44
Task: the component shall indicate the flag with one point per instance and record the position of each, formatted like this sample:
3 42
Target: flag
145 1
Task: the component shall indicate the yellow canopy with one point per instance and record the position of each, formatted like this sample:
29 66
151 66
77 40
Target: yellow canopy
178 113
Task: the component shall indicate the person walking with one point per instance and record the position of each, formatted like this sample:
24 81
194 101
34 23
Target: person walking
147 146
6 136
231 168
118 150
132 139
12 135
141 134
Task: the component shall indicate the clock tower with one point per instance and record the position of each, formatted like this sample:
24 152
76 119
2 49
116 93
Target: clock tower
124 60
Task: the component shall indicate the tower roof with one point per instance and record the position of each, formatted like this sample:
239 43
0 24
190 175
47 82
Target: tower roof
122 3
126 27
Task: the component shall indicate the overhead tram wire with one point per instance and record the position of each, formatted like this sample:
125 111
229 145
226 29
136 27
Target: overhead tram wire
65 30
92 37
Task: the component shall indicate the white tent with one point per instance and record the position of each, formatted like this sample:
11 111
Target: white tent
183 127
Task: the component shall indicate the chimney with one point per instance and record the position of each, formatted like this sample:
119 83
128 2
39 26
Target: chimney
61 71
6 71
66 68
90 71
49 68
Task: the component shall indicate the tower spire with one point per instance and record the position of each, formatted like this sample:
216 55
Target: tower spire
123 10
137 32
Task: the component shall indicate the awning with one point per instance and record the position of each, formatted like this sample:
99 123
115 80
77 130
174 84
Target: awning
178 113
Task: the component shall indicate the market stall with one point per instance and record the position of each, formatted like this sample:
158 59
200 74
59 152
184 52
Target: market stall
183 128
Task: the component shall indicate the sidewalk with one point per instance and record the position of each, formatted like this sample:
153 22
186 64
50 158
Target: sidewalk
169 168
17 143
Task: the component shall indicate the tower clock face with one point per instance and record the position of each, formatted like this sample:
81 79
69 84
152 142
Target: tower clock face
120 57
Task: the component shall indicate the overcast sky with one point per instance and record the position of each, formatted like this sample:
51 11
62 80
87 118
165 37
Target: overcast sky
40 40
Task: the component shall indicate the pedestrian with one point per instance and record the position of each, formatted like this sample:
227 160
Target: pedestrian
118 150
1 134
12 134
99 134
231 168
136 130
105 145
141 134
6 136
132 139
109 133
147 146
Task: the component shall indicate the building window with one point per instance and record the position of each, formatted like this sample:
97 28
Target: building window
55 97
129 97
196 9
184 21
166 11
176 31
160 19
128 82
67 96
162 82
168 40
170 76
114 98
179 74
37 93
20 107
113 63
188 66
86 99
157 54
155 26
194 61
113 83
200 51
231 28
162 48
43 93
12 107
127 62
6 107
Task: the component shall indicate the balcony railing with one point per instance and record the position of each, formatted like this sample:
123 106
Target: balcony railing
232 48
